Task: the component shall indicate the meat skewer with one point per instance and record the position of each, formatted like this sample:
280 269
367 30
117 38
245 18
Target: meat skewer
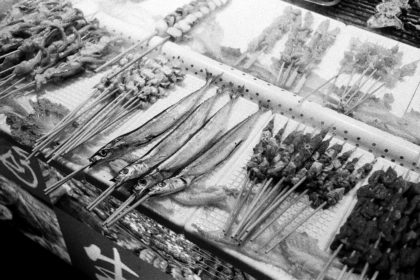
321 275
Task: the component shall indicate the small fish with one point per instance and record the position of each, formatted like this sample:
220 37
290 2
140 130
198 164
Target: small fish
168 146
207 161
155 127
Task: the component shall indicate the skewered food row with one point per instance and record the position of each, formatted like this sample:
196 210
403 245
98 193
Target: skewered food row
380 237
302 163
112 101
48 41
176 23
118 104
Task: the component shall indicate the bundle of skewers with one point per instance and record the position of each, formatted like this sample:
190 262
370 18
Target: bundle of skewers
112 101
48 41
365 69
380 238
303 164
302 52
133 85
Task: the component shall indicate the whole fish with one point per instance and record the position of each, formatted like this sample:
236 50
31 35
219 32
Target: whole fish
204 162
212 129
167 147
219 153
153 128
198 152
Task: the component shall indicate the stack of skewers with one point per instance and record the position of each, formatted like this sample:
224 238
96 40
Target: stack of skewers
380 238
48 41
136 84
303 164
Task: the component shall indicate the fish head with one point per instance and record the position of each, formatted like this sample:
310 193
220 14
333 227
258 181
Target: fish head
132 171
172 185
108 153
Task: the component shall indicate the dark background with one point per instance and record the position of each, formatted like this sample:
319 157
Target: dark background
20 258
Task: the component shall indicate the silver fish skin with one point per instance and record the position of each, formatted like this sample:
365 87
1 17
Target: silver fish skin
210 159
201 141
168 146
223 148
154 127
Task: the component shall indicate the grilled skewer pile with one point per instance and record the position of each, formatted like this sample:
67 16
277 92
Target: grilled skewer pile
48 41
301 163
380 237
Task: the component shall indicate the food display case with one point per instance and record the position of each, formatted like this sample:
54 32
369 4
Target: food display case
214 139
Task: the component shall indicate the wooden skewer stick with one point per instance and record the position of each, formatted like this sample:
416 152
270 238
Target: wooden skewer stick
280 74
240 59
349 273
354 86
7 54
324 270
366 267
128 65
7 79
254 58
119 209
11 86
342 272
362 100
55 186
251 207
128 210
121 55
103 196
359 88
233 214
278 215
286 223
411 99
265 202
317 89
52 135
296 227
269 211
243 202
17 90
375 275
8 69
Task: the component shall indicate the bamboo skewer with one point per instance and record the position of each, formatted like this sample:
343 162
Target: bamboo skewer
127 210
324 270
128 65
295 200
317 89
8 69
296 227
411 99
7 54
251 207
121 55
11 86
18 89
236 209
59 128
279 75
243 202
254 58
119 210
55 186
270 210
363 99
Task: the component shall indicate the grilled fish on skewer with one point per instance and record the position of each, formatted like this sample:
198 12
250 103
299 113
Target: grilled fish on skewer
195 147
